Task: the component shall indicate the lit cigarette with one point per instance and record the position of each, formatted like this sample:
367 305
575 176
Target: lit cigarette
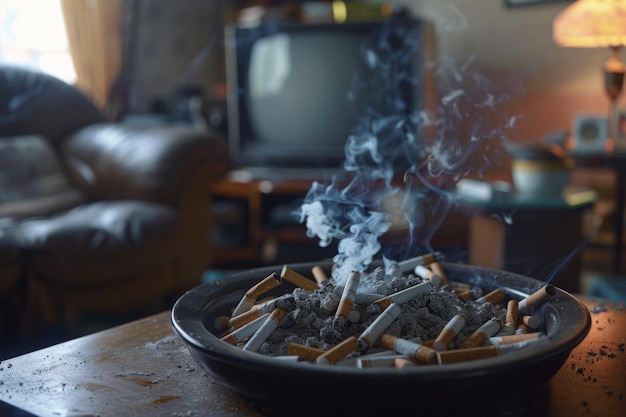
425 273
378 326
449 332
513 338
410 264
493 297
305 353
250 297
340 351
533 322
298 280
480 335
244 332
347 297
438 270
405 347
267 327
377 362
407 294
541 295
254 313
510 324
319 274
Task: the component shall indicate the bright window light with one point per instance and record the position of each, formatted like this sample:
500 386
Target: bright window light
32 33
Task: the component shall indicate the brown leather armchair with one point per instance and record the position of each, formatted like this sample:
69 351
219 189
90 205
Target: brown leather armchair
96 218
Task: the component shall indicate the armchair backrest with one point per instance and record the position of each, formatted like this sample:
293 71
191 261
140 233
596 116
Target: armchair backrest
34 103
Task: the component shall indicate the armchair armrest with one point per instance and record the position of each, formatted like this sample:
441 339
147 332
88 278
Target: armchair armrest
114 161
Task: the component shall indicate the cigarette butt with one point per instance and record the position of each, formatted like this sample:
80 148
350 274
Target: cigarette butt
305 353
346 301
533 322
522 328
456 285
513 338
242 319
425 273
404 362
377 361
480 335
410 264
510 323
420 352
538 297
242 333
449 332
221 322
266 328
493 297
250 297
407 294
371 334
319 274
463 355
298 280
438 270
463 294
340 351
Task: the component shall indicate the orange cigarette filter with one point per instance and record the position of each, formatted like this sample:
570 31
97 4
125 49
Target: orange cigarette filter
404 363
337 353
438 270
463 294
298 280
249 298
510 324
480 335
494 297
305 353
449 332
418 351
464 355
513 338
538 297
319 274
533 322
347 297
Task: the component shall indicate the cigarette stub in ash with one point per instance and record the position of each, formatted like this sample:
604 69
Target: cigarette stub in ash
404 363
377 361
305 353
245 331
268 326
250 297
513 338
410 264
378 326
480 335
541 295
463 355
405 347
449 332
319 274
510 324
242 319
347 297
425 273
298 280
494 297
340 351
407 294
439 271
533 322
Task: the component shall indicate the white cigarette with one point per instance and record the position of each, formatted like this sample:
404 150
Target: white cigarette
268 326
378 326
425 273
536 298
378 361
250 297
480 335
407 294
245 331
409 264
449 332
347 297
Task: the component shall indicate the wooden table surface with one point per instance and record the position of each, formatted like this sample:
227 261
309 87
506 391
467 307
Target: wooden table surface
144 369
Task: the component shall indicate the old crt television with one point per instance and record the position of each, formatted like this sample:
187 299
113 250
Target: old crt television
297 90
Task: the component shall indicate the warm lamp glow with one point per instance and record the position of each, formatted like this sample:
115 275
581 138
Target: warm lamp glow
591 24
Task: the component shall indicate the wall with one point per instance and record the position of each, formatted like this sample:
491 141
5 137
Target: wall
513 45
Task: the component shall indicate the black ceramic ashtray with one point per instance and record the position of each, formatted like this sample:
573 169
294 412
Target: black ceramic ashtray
303 388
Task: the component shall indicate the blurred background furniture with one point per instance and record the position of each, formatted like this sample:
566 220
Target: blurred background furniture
96 218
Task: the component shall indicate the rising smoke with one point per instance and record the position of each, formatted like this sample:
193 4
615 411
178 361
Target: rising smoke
399 134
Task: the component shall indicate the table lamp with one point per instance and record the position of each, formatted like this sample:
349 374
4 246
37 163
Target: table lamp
598 24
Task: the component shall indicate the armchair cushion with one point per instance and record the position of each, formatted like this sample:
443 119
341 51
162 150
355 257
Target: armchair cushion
98 243
32 180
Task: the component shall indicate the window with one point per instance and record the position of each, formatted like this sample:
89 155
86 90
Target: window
32 33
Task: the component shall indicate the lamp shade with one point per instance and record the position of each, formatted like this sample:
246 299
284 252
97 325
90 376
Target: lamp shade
591 24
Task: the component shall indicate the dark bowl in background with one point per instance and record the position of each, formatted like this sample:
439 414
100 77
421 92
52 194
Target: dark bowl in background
305 388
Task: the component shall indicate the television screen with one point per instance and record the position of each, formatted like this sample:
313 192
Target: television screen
298 90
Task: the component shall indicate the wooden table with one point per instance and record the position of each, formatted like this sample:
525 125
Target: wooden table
143 369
